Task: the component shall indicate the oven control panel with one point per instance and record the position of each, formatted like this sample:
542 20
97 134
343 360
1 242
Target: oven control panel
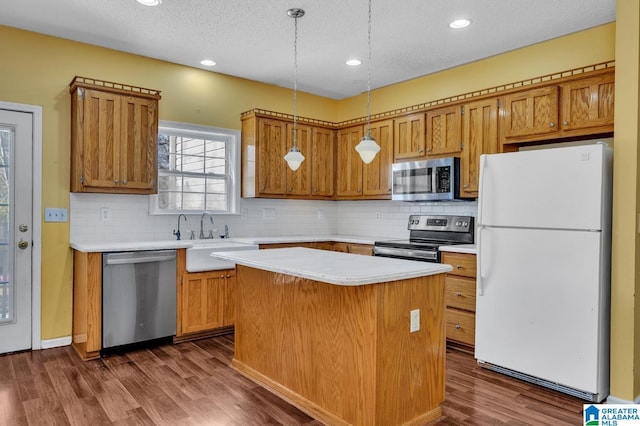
440 223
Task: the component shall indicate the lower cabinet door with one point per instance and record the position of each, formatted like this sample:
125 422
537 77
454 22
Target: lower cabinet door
203 296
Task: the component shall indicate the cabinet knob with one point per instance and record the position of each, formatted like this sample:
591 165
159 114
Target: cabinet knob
420 151
262 188
428 149
458 294
228 276
465 185
124 182
458 327
565 123
117 181
221 276
458 266
552 124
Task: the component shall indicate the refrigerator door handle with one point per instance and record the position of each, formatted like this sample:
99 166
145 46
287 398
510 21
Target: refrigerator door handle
479 287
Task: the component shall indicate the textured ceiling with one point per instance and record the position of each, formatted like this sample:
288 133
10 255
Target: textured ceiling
253 39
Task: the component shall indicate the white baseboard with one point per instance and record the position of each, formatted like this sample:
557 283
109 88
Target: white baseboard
614 400
54 343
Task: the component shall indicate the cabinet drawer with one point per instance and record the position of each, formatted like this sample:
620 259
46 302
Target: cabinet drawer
463 264
460 292
461 326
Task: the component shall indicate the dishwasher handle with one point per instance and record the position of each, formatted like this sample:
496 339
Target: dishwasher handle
139 257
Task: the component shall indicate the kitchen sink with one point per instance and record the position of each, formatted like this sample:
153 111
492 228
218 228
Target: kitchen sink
199 256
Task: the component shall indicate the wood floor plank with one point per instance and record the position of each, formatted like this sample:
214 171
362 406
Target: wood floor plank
193 384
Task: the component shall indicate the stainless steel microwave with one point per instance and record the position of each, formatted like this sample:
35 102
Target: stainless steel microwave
427 180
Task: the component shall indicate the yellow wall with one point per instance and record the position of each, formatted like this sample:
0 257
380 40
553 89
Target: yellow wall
540 59
625 315
40 68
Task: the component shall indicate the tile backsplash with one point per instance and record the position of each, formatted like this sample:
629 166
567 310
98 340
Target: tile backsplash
112 218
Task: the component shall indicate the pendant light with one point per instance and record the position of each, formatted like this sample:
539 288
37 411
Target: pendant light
294 157
368 148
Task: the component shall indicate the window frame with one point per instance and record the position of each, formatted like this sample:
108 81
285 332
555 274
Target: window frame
233 158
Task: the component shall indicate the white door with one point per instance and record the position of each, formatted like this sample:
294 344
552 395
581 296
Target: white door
16 187
559 188
541 306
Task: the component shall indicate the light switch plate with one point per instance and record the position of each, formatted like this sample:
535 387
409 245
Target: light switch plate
55 214
415 321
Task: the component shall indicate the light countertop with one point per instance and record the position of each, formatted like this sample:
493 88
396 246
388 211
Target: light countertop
333 267
462 248
175 244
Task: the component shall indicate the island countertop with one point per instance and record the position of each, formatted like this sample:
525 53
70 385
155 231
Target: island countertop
333 267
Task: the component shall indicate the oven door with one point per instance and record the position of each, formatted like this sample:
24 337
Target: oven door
407 253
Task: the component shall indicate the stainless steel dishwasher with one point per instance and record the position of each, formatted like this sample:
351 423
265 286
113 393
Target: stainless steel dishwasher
138 297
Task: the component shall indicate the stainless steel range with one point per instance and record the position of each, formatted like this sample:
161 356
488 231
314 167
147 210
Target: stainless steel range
427 233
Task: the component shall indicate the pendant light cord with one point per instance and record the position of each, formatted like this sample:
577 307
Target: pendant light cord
295 82
369 74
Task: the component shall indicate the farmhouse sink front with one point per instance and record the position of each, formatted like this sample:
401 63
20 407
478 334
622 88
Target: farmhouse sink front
199 256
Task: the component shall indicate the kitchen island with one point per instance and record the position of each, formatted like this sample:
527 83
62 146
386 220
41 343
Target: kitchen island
333 333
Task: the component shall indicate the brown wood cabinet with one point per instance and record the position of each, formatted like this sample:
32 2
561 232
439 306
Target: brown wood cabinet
409 137
444 130
114 131
205 300
87 304
377 174
349 164
354 248
323 148
298 182
480 136
530 112
587 103
357 180
265 173
460 299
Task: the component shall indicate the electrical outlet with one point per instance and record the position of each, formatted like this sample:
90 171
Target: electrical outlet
377 215
320 214
105 213
269 214
244 214
415 320
55 215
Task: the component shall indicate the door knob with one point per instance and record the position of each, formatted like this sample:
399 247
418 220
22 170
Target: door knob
23 244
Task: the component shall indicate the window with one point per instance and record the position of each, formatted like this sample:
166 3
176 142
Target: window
198 169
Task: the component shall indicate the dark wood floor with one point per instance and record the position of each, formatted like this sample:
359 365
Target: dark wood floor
193 384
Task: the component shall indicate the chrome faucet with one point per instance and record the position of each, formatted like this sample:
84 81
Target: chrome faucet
201 225
177 233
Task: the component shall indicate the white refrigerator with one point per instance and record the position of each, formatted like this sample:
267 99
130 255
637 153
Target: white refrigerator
544 262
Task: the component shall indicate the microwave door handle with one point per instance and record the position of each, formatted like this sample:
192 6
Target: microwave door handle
434 183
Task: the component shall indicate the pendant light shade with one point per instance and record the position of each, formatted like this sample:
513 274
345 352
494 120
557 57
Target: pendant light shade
368 148
294 157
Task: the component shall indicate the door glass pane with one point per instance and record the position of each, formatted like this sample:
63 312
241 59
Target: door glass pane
6 287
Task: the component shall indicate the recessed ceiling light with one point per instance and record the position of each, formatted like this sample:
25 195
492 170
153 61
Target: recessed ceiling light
460 23
150 2
207 62
354 62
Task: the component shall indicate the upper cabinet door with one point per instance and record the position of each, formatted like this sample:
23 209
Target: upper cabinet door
409 137
299 182
531 112
138 146
349 164
99 138
480 136
587 102
444 130
271 151
323 148
377 174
